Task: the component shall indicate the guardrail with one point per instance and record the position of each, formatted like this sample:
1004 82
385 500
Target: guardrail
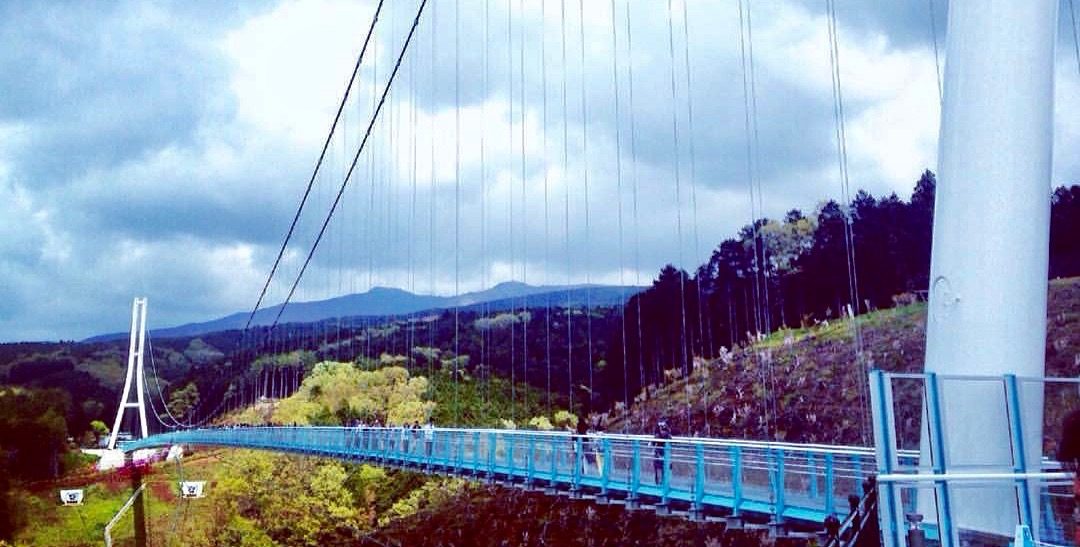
783 480
957 497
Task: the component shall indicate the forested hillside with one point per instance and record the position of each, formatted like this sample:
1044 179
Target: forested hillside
794 273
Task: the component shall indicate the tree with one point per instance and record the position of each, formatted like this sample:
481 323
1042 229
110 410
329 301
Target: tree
338 393
33 430
184 402
99 429
292 500
1065 232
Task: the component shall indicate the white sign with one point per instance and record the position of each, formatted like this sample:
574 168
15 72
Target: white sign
71 497
192 489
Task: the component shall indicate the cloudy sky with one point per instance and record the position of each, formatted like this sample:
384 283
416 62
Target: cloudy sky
161 149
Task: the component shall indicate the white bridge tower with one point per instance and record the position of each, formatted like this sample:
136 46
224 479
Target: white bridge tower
134 371
988 269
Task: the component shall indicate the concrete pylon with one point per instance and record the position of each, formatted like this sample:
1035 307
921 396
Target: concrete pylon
134 372
988 274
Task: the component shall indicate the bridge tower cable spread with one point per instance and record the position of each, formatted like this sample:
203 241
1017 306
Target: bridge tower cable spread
510 200
411 318
762 314
432 326
510 192
746 51
370 224
484 367
934 44
161 394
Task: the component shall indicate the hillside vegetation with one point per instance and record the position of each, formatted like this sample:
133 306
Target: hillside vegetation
807 385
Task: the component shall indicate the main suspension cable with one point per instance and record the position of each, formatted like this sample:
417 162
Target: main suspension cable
356 158
318 165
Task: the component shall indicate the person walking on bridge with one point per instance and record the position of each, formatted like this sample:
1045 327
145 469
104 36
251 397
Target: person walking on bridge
663 434
429 436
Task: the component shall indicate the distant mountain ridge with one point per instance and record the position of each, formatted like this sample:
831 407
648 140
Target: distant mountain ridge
388 301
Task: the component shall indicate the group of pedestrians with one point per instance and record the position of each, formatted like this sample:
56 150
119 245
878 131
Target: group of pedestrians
590 441
376 436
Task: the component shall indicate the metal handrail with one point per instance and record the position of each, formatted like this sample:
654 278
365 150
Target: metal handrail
784 479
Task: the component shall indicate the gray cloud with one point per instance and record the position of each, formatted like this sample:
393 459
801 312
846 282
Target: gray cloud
160 149
106 83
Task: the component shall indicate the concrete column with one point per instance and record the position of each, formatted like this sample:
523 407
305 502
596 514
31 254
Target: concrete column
988 275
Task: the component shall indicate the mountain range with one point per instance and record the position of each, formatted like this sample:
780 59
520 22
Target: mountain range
387 301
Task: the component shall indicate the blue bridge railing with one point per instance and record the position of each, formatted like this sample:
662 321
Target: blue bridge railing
784 481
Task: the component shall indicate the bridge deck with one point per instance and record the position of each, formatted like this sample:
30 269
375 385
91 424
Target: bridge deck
707 476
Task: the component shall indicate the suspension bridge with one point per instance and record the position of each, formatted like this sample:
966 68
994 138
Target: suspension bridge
787 486
696 478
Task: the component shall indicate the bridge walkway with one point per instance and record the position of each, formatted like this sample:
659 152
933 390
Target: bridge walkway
695 477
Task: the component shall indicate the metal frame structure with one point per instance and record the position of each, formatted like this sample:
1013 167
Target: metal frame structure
939 480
